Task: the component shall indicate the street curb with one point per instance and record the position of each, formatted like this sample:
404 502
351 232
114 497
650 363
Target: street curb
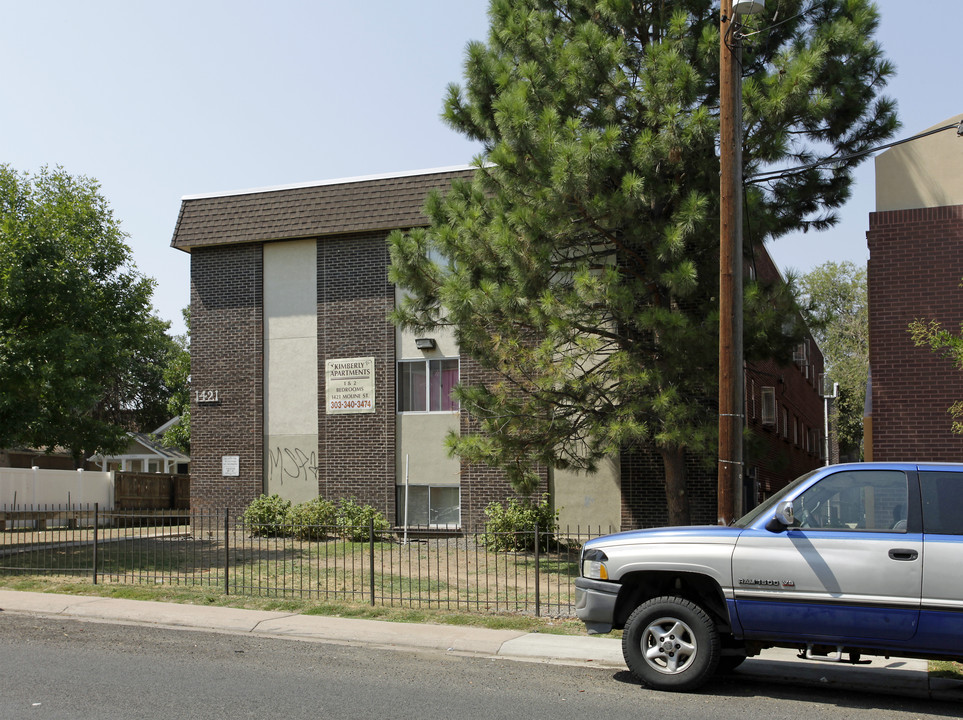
895 676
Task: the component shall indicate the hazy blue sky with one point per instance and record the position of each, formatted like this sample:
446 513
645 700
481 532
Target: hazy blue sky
164 99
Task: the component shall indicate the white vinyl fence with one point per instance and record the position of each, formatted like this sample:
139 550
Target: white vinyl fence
36 489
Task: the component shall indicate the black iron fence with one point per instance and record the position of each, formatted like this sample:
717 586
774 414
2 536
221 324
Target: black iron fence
519 572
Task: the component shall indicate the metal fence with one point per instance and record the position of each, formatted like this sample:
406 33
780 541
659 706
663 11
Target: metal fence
522 572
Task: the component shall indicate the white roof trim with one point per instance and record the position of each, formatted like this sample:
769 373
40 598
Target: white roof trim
320 183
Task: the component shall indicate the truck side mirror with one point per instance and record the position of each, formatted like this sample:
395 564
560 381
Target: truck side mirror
783 517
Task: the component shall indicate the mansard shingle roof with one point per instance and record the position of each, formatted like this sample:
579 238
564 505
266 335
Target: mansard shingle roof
311 210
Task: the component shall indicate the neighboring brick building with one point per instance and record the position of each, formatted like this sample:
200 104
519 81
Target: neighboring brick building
302 386
915 242
786 411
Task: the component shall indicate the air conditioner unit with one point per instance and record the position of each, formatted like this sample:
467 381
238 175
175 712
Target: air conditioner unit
827 388
768 405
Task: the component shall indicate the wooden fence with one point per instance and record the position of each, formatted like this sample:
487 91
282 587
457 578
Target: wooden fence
151 491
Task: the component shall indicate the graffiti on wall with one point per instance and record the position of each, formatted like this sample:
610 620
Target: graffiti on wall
292 465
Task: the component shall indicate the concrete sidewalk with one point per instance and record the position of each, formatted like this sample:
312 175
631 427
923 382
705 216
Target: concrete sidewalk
892 676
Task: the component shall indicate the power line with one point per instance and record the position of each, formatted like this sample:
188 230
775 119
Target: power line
788 172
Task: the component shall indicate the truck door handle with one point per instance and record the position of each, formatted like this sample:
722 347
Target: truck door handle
903 554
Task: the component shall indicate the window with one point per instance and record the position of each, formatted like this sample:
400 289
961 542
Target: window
812 443
942 502
426 385
874 500
785 422
429 506
768 405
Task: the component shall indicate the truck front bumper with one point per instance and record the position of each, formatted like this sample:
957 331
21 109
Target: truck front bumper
595 603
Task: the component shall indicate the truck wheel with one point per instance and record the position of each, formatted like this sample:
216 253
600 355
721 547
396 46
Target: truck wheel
670 643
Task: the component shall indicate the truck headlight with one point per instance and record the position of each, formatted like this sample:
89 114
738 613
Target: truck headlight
593 565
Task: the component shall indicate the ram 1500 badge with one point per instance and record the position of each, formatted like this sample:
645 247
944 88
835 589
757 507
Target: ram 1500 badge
848 560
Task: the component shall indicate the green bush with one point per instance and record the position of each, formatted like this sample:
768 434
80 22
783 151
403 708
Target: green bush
272 516
314 519
512 527
352 521
268 516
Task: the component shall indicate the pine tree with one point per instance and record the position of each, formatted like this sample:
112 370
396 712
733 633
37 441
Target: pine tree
580 264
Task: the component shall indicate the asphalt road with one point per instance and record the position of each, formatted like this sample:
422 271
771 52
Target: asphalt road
83 670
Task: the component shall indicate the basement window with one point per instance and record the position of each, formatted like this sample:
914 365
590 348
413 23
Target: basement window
429 506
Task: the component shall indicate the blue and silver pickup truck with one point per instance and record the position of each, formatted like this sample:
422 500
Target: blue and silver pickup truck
848 560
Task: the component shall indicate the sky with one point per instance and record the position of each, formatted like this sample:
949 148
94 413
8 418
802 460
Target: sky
161 100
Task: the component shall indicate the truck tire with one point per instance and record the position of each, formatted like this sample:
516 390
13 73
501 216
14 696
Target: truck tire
671 643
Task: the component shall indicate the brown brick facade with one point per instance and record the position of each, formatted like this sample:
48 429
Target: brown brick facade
227 358
643 490
793 445
480 484
915 270
356 453
773 455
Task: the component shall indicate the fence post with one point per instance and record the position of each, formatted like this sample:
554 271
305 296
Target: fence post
227 551
96 523
371 563
538 594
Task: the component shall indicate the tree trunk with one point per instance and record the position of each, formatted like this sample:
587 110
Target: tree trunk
677 499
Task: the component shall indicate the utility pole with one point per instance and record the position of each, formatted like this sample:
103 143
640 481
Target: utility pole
731 372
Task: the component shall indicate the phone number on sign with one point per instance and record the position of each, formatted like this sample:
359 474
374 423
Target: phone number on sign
350 404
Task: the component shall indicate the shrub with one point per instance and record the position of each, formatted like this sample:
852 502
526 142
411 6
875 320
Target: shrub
268 516
314 519
352 520
272 516
513 527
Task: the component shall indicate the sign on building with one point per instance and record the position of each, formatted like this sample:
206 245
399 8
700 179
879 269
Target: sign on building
230 465
349 385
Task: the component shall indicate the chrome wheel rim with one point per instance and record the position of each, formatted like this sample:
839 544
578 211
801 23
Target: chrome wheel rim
669 645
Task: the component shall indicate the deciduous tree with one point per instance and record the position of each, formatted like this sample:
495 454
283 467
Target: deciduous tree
930 333
77 337
177 376
837 310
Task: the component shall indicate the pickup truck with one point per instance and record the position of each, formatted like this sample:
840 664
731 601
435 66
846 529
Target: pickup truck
848 560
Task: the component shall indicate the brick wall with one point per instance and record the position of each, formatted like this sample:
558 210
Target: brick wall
773 456
643 490
480 484
781 452
915 270
776 454
226 356
356 452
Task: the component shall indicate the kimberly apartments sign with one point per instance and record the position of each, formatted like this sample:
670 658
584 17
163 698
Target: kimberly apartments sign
349 386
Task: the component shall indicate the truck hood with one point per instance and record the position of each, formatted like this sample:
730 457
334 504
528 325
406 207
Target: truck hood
681 534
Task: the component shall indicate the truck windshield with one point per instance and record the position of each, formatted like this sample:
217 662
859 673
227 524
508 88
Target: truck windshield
767 505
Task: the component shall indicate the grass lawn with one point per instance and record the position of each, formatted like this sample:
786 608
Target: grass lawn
192 595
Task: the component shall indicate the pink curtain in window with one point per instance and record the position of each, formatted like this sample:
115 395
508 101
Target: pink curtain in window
443 378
